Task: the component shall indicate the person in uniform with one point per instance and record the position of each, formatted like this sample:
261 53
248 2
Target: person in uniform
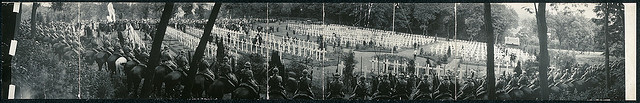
226 74
223 65
412 81
361 88
375 81
275 83
305 83
393 82
424 85
335 86
247 78
401 87
182 61
204 69
383 87
243 71
166 56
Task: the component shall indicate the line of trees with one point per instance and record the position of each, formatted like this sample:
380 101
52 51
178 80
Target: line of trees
416 18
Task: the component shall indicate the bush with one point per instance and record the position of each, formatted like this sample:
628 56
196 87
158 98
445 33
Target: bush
349 63
297 65
276 62
562 60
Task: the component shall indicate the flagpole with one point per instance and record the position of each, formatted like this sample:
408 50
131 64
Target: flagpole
79 59
323 77
393 24
455 34
268 59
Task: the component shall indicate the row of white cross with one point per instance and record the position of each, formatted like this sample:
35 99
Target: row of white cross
396 66
191 42
271 42
424 69
476 52
355 35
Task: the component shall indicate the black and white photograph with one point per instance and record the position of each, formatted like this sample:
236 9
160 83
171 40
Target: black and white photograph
318 51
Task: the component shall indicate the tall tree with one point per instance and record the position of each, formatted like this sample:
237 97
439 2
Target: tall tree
615 27
611 17
197 57
543 58
491 78
470 21
349 65
57 6
34 9
571 30
155 49
430 17
563 23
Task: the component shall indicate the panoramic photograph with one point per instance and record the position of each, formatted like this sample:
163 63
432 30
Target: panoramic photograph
314 51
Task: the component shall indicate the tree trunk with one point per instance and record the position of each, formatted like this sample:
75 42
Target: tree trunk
34 9
491 81
606 47
155 49
544 53
195 61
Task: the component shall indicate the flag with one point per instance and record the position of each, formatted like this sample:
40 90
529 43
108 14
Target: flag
112 13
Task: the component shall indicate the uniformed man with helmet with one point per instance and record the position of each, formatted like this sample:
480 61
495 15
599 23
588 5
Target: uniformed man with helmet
401 87
361 88
335 87
305 83
275 83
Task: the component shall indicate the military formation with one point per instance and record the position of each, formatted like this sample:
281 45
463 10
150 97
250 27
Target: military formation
214 80
388 87
226 77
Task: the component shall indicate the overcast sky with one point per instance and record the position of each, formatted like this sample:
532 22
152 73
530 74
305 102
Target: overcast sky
588 13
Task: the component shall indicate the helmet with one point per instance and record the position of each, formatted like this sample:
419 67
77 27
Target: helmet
247 64
275 70
305 72
336 75
225 59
